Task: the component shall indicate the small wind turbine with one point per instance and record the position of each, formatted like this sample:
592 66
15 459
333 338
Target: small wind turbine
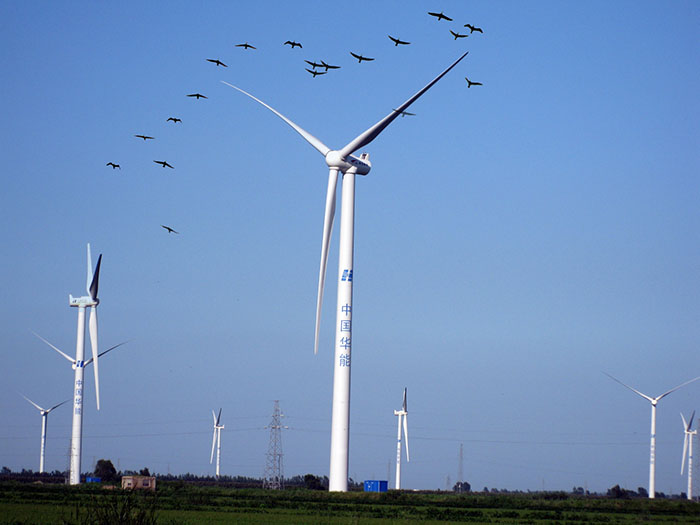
402 417
343 161
688 449
44 423
652 446
216 441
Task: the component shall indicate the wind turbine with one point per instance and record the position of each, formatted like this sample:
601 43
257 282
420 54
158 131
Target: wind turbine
652 446
402 416
343 161
216 441
89 301
44 423
688 449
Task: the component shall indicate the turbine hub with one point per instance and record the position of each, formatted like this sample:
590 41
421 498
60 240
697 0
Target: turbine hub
360 165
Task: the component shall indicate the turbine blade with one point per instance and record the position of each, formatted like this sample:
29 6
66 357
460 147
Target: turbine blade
320 146
57 350
218 418
328 217
404 400
105 351
405 433
89 270
632 389
369 135
676 388
56 406
690 423
213 442
95 280
685 424
33 403
93 344
685 452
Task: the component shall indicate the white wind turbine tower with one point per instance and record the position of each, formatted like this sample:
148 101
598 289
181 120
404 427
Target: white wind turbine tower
216 441
402 421
652 446
688 449
44 423
79 363
343 161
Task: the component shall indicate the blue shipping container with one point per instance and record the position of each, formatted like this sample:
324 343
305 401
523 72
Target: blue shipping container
375 485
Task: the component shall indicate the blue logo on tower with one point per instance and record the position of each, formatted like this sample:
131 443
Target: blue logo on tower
347 276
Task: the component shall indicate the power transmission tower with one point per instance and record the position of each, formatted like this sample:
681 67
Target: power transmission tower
459 486
274 473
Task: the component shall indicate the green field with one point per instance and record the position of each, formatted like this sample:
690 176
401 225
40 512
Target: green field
179 504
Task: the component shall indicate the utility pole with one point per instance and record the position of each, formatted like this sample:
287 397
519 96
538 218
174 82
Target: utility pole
274 472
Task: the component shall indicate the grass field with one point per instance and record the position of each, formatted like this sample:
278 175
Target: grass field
181 504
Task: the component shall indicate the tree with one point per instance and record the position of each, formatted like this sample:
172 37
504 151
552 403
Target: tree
312 482
144 472
104 469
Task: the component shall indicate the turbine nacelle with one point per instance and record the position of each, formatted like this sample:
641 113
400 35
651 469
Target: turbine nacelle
359 165
82 301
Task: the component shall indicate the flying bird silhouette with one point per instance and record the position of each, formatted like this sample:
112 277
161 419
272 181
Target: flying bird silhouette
472 28
396 41
174 119
216 61
114 166
404 113
440 16
313 64
470 83
144 137
293 44
457 35
360 58
328 66
315 73
163 163
170 230
197 96
246 46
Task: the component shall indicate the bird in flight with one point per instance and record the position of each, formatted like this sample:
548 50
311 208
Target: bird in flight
114 166
246 45
405 113
197 96
315 73
472 28
313 64
216 61
396 41
170 230
163 163
470 83
457 35
440 16
174 119
292 43
360 58
328 66
144 137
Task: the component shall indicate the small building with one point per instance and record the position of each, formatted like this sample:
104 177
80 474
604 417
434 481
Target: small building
139 482
376 485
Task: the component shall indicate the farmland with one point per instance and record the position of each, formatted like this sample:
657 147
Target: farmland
178 503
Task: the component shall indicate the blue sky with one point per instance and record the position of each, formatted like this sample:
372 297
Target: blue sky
513 240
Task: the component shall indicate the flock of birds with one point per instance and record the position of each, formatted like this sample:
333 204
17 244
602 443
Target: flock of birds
317 68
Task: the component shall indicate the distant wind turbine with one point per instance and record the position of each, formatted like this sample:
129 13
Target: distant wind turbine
403 413
343 161
688 450
44 423
652 446
216 441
